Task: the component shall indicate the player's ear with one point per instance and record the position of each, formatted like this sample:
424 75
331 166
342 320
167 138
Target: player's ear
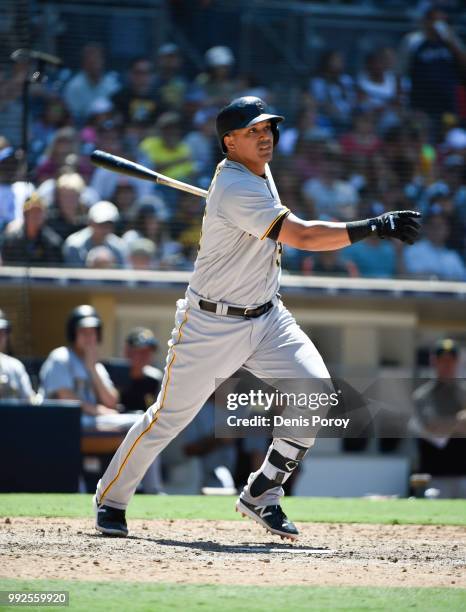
229 142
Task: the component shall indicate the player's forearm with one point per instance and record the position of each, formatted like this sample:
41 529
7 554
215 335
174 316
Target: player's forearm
96 409
107 397
323 236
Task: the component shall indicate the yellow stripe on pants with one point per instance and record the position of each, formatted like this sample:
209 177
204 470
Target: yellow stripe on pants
154 420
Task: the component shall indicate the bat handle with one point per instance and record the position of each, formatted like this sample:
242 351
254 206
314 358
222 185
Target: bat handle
169 182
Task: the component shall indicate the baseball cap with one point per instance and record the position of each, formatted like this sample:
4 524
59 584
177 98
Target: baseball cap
142 247
446 345
168 49
33 201
203 115
219 56
456 138
141 337
103 212
6 153
100 106
150 204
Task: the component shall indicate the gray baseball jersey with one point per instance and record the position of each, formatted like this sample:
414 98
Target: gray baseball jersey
63 369
14 380
232 265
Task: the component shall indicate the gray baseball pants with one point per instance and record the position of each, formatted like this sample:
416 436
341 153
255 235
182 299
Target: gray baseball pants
205 347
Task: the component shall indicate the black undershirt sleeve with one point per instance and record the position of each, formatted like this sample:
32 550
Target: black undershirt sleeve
275 231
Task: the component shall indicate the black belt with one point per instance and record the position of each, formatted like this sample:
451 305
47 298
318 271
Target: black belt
234 311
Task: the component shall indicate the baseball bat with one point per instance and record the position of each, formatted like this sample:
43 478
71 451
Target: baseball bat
125 166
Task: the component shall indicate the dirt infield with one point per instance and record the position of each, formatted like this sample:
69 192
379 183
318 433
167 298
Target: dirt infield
227 552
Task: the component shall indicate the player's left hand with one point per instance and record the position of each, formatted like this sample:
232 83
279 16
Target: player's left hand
399 224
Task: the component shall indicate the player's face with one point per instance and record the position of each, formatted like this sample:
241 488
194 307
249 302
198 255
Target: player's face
86 337
140 356
251 146
446 365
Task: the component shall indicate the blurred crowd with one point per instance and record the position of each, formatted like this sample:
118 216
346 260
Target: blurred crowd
112 395
391 135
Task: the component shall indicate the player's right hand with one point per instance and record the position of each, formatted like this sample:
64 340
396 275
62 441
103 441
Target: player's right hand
399 224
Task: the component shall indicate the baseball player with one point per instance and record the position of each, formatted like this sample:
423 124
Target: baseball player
232 316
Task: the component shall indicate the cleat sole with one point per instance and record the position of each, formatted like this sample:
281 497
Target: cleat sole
246 512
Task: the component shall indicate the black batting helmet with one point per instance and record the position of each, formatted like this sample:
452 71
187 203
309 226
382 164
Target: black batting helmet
83 316
244 112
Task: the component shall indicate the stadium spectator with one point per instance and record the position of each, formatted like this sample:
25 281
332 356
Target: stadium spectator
434 59
187 226
102 218
309 126
124 198
144 382
333 90
148 216
328 263
170 82
308 156
430 257
66 213
99 115
73 372
12 191
11 87
149 222
54 116
402 149
63 152
90 83
101 257
104 182
137 103
289 186
329 194
376 258
169 154
380 185
14 380
377 84
202 140
167 151
362 141
33 242
141 254
217 82
444 205
440 421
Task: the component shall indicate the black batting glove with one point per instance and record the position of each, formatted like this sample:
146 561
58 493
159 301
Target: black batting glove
399 224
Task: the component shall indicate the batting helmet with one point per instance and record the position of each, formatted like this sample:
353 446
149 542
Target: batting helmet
244 112
83 316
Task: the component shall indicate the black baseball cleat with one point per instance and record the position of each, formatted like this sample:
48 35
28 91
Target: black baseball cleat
271 517
110 521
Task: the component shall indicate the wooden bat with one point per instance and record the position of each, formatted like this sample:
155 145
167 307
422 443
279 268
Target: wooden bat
125 166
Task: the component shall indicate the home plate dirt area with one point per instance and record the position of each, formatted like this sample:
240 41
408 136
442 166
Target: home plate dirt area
232 552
